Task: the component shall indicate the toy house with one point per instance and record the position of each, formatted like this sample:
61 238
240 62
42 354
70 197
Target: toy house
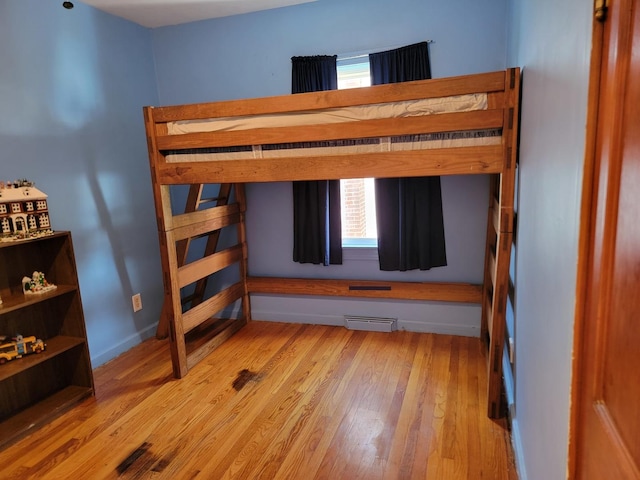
24 211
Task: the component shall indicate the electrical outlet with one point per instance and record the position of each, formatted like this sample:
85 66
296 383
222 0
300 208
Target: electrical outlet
136 301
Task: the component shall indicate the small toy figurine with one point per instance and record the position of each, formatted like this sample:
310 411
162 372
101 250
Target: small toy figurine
36 284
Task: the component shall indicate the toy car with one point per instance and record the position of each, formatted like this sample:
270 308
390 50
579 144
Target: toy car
18 346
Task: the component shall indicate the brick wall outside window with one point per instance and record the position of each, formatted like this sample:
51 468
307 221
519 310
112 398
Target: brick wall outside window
353 208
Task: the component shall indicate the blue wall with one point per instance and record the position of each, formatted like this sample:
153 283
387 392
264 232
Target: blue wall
72 87
554 53
249 56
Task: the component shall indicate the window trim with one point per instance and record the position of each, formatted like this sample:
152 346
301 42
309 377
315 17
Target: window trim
367 254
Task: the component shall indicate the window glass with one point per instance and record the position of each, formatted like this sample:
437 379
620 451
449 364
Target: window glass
357 194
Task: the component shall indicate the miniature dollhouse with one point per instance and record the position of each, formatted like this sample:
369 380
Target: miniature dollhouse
24 212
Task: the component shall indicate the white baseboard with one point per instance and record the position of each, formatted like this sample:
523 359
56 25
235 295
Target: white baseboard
338 321
518 453
312 319
121 347
439 328
516 443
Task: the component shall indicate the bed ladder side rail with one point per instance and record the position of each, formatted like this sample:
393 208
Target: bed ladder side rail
177 344
242 240
490 258
500 224
494 305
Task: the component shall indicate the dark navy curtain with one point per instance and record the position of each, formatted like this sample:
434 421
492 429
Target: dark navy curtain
317 227
408 210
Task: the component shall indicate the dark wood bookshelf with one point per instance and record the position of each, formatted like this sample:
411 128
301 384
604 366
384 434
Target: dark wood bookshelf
37 387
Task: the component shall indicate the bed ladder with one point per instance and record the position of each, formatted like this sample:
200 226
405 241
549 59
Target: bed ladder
193 334
500 231
193 203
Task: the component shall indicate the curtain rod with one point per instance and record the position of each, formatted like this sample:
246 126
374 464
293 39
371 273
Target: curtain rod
366 54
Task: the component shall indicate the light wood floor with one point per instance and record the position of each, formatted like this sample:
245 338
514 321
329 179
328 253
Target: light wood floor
281 401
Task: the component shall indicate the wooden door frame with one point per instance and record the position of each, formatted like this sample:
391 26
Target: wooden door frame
588 207
587 240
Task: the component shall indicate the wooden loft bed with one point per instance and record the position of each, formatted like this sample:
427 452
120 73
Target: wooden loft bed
459 125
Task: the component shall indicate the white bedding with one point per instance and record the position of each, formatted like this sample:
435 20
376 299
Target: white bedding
386 144
410 108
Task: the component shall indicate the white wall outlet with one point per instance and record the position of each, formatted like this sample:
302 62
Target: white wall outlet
136 301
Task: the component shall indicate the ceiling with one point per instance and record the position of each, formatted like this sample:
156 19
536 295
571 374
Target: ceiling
160 13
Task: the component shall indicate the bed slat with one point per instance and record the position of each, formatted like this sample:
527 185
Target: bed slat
395 92
443 122
202 216
442 161
427 291
206 266
206 309
208 225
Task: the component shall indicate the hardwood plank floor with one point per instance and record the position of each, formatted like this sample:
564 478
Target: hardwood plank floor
281 401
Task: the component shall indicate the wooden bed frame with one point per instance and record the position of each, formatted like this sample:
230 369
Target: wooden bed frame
191 322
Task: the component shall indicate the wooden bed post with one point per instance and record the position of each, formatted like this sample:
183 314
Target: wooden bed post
498 248
155 159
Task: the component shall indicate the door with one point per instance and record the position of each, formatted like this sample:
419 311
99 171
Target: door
605 427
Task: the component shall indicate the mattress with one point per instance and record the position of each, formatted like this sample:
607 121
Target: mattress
412 108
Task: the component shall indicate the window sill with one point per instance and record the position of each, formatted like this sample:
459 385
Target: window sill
360 253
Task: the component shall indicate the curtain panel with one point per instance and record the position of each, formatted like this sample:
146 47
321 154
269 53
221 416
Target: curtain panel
317 225
408 210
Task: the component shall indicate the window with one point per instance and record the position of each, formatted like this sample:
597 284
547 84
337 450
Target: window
353 72
357 195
